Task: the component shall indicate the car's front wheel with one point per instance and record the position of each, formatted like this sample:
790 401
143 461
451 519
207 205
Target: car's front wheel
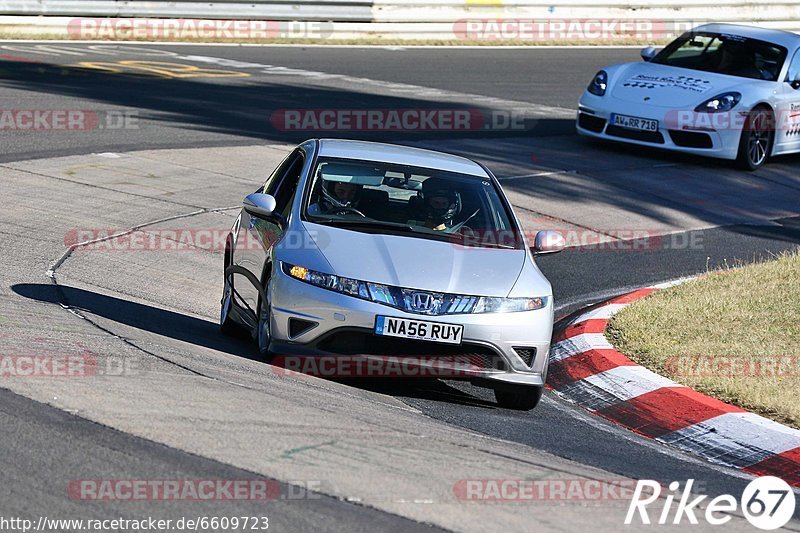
263 332
226 323
520 398
756 140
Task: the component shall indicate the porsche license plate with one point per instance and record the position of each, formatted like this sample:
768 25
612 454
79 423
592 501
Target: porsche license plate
418 329
634 123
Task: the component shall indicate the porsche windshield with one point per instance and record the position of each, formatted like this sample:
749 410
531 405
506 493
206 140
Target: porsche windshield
724 54
389 198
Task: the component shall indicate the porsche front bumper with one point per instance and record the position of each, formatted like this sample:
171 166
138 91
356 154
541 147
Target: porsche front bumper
594 114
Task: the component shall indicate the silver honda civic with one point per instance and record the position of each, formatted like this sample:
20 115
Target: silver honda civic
365 259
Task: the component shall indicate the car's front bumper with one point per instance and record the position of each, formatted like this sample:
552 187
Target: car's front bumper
343 325
594 113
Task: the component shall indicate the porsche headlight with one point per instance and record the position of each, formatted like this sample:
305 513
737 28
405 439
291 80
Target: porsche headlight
720 103
599 83
401 298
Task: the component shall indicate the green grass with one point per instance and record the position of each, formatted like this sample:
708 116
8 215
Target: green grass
734 334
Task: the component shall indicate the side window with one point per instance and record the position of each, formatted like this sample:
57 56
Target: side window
285 190
274 179
794 67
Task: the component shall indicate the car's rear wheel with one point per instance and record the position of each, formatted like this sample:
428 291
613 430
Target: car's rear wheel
263 332
521 398
755 143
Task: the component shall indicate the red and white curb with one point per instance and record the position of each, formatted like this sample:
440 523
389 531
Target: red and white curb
587 370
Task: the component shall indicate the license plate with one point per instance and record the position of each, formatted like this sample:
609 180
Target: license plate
418 329
634 123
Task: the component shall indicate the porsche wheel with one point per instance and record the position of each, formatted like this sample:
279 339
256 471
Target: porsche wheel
755 143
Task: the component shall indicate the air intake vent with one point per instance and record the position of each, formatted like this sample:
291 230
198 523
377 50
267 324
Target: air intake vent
691 139
526 354
298 326
588 122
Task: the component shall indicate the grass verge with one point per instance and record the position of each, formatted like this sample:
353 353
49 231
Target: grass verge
734 334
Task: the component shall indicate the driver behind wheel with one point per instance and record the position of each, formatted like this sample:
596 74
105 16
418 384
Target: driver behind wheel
739 60
336 196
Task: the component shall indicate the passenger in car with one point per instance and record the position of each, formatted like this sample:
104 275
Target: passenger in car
440 205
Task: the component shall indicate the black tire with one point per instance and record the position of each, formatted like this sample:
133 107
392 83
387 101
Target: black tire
755 144
518 398
263 327
227 325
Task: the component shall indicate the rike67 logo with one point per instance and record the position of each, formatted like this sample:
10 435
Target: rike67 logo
767 503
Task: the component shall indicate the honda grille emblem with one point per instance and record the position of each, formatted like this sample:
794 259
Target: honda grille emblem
422 301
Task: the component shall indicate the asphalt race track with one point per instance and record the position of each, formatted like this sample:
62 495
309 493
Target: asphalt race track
174 137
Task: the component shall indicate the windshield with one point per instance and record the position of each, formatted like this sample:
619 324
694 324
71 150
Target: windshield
418 202
724 54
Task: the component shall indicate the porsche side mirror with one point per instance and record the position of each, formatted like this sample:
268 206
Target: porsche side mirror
795 83
648 53
548 242
260 205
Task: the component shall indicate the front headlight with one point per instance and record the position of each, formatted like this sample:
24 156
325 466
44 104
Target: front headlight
720 103
402 298
508 305
599 83
352 287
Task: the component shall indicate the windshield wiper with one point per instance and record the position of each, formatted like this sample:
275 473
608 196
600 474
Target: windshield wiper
474 242
497 245
365 223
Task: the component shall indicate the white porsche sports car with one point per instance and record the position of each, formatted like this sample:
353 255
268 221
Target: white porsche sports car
720 90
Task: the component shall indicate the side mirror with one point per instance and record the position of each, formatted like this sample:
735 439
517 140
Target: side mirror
260 205
649 53
795 83
548 242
